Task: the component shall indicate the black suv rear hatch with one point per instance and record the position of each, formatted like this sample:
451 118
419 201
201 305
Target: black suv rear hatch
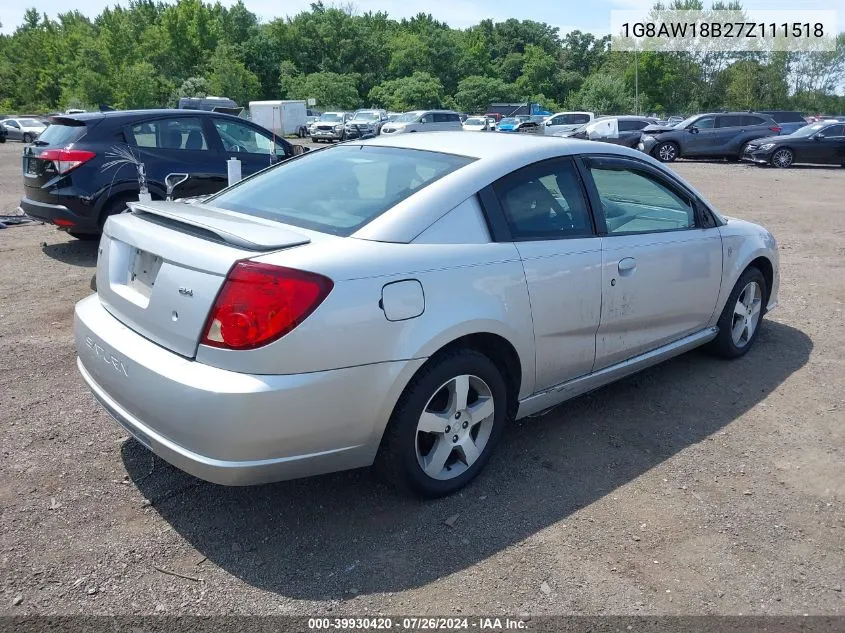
41 177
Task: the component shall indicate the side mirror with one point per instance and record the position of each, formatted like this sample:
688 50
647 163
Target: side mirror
819 136
298 150
172 181
692 129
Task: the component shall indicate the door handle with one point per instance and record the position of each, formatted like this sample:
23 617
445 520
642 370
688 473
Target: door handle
627 265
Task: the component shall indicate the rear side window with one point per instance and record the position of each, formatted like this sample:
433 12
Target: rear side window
626 125
441 117
61 134
182 133
365 182
730 120
545 201
750 119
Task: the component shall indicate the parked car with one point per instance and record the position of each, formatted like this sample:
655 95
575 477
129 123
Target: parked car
23 129
822 143
496 116
424 121
620 130
566 121
329 126
483 277
512 123
713 135
788 120
478 124
81 169
364 122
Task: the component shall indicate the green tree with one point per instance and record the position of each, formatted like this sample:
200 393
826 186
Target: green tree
331 90
603 94
140 86
229 77
420 90
475 93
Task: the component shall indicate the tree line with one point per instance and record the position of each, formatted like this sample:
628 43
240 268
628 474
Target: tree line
148 54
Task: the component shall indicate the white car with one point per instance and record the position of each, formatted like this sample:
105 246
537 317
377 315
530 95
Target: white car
477 124
425 292
424 121
566 122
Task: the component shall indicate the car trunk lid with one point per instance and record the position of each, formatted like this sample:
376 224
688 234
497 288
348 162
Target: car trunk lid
161 267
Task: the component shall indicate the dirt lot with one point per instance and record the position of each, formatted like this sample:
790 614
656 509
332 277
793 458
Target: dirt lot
700 486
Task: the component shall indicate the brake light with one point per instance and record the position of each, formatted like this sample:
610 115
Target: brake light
66 160
776 129
260 303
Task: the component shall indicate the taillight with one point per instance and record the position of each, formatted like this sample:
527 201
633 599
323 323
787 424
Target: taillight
776 129
66 160
260 303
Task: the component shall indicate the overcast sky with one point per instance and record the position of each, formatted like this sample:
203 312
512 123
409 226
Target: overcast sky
590 15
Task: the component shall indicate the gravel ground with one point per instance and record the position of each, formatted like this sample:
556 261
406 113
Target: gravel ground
697 487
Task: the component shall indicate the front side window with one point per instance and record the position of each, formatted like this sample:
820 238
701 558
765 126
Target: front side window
237 137
545 201
705 123
366 181
637 201
834 131
182 133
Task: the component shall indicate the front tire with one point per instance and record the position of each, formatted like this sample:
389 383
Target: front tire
27 138
445 425
782 158
742 315
666 152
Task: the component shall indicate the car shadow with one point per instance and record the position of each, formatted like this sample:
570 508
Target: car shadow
321 537
76 253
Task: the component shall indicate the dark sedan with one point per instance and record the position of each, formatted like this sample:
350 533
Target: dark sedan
822 143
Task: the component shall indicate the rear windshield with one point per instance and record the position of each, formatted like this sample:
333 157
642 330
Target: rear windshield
338 190
61 134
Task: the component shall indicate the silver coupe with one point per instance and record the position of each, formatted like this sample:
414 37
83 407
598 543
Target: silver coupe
402 311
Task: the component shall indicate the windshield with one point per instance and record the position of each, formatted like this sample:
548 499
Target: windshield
330 117
366 116
809 130
366 182
687 122
30 123
57 134
475 121
408 117
508 121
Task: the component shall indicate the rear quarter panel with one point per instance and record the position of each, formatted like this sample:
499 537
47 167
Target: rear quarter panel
468 288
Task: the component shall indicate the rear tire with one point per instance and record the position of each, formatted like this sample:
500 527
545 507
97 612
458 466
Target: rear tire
742 315
114 206
461 391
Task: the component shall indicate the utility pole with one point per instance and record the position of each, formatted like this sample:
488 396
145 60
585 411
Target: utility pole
636 81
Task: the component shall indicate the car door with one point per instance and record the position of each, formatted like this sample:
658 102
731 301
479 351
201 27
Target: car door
255 147
178 144
545 210
661 258
827 146
441 122
728 128
700 137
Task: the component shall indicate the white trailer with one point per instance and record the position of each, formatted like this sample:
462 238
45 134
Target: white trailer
282 117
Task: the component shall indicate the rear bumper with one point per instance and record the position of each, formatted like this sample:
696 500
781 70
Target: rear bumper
50 213
227 427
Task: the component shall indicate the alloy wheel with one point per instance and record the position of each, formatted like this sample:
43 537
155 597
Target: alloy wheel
746 315
454 427
667 152
782 158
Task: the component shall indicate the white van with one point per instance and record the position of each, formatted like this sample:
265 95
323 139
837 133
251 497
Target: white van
424 121
566 121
